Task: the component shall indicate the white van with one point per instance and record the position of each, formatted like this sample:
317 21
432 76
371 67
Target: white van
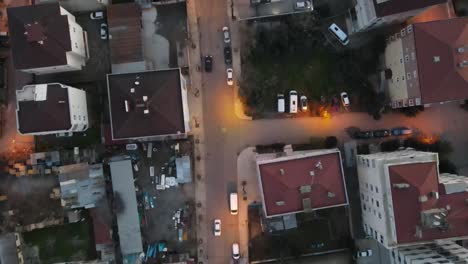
339 34
293 102
233 203
280 103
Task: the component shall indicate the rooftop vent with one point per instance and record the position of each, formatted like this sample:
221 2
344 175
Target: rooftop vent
434 218
145 98
461 49
312 173
61 102
132 90
401 185
423 198
127 108
330 195
305 189
280 203
463 64
319 165
281 171
436 59
137 82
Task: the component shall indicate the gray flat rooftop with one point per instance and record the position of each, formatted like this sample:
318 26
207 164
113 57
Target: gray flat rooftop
128 221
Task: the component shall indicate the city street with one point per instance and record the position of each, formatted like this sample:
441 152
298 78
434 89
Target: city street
226 135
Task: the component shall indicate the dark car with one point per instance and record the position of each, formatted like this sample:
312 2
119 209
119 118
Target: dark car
382 133
227 55
400 131
208 63
364 134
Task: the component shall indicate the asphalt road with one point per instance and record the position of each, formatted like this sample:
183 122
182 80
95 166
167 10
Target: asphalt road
226 135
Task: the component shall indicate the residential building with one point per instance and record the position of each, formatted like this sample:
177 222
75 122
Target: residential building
128 221
148 105
78 6
439 251
81 185
369 14
427 63
405 201
300 181
51 108
46 39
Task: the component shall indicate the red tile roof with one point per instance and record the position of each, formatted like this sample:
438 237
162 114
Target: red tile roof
277 187
399 6
102 231
444 80
423 179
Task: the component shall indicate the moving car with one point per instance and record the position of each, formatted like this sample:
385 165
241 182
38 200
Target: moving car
217 227
96 15
226 35
339 34
381 133
233 207
344 99
293 102
229 76
208 63
363 253
304 103
400 131
103 31
302 5
227 55
235 251
280 103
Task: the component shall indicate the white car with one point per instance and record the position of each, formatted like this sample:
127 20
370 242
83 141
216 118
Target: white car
103 31
235 251
226 35
229 76
217 227
344 99
303 103
302 5
96 15
363 253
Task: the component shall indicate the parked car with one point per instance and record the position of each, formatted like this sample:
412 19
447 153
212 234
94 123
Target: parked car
229 76
280 103
339 34
96 15
302 5
217 227
304 103
381 133
208 63
227 55
226 35
364 134
344 99
363 253
235 251
292 102
103 31
400 131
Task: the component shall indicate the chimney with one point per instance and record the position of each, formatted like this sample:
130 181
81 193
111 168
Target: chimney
423 198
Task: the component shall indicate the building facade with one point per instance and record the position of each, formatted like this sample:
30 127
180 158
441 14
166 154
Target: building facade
369 14
46 39
78 6
426 63
439 251
52 108
405 201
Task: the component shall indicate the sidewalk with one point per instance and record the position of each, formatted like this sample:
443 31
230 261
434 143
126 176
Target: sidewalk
246 171
195 95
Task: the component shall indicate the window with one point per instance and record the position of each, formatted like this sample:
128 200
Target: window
367 185
74 29
380 216
401 60
408 76
397 79
362 196
406 58
76 45
409 29
364 207
403 77
84 118
377 203
376 189
74 117
413 56
415 74
372 188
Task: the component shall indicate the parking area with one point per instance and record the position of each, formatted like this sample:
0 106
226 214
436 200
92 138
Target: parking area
244 9
165 195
